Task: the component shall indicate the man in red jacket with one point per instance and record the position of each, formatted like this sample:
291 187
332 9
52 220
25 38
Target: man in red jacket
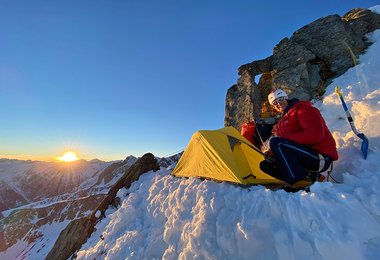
301 143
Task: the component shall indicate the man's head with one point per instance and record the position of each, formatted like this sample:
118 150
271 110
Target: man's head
278 99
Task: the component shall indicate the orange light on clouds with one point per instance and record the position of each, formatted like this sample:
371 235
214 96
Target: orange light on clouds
68 157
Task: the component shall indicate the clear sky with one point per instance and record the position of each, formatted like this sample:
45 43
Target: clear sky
108 79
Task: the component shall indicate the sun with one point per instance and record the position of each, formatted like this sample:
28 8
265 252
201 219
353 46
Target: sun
68 157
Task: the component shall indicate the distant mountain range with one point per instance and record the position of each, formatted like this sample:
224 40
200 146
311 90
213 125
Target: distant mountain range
38 199
24 182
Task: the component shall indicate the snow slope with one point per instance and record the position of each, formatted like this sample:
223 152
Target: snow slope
170 218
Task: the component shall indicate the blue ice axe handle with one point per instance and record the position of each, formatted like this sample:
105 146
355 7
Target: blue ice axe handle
365 143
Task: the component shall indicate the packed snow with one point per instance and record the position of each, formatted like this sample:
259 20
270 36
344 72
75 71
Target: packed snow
162 216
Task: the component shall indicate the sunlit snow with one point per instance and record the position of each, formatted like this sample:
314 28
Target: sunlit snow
166 217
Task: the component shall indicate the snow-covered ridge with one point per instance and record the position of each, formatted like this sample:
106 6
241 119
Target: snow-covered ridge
170 218
29 221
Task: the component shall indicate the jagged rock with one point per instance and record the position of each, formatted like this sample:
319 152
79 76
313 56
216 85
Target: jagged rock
78 231
240 100
257 67
303 65
361 22
332 40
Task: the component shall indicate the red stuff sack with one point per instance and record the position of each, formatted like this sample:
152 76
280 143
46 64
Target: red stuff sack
248 131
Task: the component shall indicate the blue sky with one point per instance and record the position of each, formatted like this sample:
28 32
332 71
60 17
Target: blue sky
108 79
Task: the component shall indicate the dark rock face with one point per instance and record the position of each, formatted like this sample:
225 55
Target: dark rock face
245 92
70 239
78 231
303 65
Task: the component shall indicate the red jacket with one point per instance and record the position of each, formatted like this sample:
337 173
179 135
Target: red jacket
304 124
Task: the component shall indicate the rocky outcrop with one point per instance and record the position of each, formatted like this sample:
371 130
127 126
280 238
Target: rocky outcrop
303 65
78 231
240 101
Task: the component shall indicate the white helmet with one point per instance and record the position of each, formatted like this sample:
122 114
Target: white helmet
276 94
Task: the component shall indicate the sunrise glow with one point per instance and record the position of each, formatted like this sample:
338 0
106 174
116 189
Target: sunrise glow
68 157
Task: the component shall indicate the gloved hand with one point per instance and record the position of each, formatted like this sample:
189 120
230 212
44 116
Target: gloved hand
265 147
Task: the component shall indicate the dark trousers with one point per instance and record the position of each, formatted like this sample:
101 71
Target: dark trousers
296 161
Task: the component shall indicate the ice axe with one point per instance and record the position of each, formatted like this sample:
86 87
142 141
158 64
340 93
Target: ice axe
365 142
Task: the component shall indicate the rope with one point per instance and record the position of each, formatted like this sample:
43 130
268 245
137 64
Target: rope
174 153
329 176
258 133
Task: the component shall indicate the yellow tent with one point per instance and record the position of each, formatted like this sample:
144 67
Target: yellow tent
223 155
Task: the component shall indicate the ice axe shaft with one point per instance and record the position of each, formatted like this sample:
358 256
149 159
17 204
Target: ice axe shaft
365 143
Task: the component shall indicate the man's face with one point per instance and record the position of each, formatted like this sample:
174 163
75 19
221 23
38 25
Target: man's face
280 104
